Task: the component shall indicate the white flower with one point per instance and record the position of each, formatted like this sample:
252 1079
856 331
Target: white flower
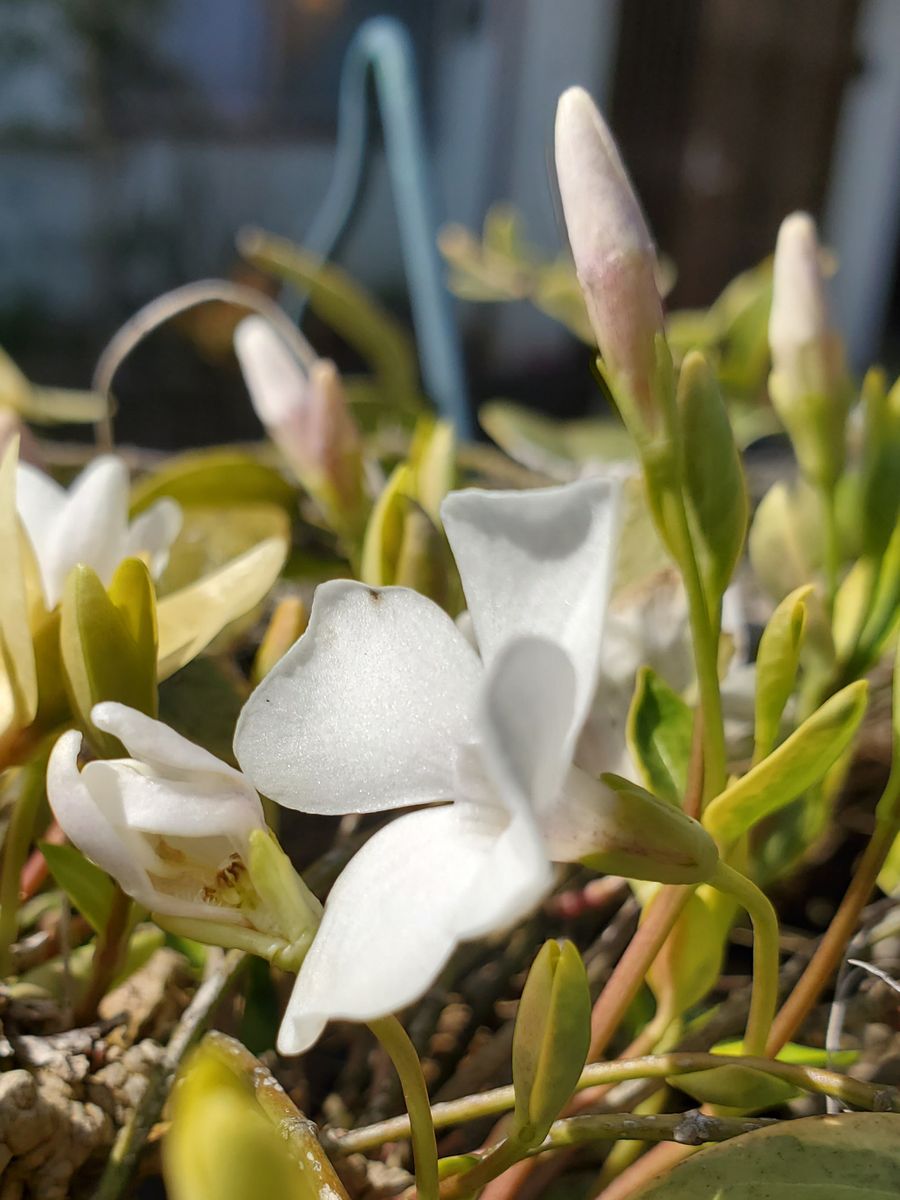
384 704
171 823
89 524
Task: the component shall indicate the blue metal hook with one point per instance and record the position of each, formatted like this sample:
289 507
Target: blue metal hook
383 46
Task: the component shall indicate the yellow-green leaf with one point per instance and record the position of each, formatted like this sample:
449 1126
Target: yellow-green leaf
108 644
853 1156
776 667
384 532
18 674
189 619
214 478
799 762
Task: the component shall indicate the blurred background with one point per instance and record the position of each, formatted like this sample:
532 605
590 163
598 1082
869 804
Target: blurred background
138 136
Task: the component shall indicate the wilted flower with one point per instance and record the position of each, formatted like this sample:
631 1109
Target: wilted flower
172 823
89 524
808 384
384 704
614 256
306 415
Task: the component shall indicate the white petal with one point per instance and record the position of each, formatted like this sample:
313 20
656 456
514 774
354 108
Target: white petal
159 746
364 712
84 823
201 808
539 562
92 526
396 914
577 821
152 533
39 501
526 726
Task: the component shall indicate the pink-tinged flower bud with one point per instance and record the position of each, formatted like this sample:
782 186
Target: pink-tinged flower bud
808 386
307 416
614 256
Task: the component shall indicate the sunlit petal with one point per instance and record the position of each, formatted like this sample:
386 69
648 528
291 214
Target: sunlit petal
365 711
539 563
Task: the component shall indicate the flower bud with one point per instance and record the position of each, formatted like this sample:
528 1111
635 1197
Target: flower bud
615 826
808 384
183 833
551 1039
615 259
308 418
220 1143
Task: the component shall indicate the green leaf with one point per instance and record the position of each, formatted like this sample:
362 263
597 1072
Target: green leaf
108 644
739 1090
798 763
90 889
715 489
551 1039
889 877
853 1156
47 406
777 661
880 490
214 477
785 541
659 732
342 304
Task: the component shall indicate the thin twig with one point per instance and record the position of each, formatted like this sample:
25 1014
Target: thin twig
128 1146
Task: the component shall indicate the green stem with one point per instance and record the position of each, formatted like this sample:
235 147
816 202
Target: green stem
497 1160
764 998
705 639
237 937
395 1040
853 1092
18 840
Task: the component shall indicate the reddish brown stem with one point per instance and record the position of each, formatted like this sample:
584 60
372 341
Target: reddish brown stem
827 957
625 981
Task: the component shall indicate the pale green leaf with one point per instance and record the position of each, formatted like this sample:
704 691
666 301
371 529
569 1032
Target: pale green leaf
189 619
799 762
212 478
776 667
